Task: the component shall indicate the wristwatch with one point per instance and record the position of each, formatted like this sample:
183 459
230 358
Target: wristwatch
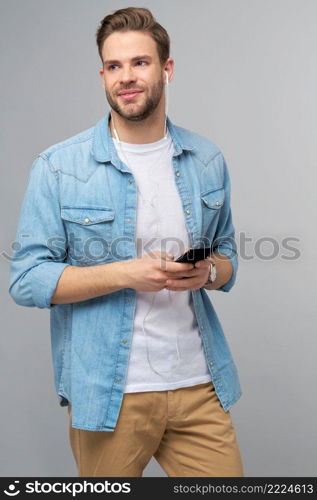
212 273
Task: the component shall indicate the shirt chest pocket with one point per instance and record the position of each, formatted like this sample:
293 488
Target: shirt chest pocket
89 233
212 201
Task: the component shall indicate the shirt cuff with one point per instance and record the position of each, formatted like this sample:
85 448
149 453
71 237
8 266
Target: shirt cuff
44 278
234 261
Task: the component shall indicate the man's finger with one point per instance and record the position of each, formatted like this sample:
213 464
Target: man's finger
189 282
167 256
202 263
173 267
183 274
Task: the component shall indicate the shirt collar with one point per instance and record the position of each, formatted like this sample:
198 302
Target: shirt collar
103 148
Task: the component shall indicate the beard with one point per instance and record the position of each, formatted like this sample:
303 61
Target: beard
140 112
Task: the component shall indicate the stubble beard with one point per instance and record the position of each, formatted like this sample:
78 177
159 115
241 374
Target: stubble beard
143 112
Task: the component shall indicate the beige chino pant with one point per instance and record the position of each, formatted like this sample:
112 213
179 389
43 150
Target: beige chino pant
186 430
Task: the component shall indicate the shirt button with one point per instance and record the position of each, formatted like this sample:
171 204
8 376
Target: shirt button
124 341
217 203
188 212
211 363
177 173
128 221
131 181
202 327
86 220
117 380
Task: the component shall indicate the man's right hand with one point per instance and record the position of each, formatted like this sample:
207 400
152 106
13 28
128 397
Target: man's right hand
149 272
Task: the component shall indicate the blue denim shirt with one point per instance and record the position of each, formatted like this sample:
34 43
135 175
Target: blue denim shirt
80 198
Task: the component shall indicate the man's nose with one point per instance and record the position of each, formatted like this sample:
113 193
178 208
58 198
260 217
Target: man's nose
127 75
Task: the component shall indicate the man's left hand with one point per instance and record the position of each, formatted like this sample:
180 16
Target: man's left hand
189 280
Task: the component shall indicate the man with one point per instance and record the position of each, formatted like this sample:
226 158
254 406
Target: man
139 354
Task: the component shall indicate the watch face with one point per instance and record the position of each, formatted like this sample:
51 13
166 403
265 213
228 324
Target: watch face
213 273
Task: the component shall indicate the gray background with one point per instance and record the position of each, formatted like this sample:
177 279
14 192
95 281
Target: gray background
246 78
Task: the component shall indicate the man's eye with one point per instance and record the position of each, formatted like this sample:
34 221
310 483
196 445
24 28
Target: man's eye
111 67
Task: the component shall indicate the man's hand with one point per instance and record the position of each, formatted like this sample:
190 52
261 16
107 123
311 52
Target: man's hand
150 272
192 279
195 279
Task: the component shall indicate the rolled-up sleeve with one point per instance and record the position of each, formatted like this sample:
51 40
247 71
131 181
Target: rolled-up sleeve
224 241
40 244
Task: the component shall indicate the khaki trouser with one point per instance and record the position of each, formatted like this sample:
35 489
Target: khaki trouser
186 430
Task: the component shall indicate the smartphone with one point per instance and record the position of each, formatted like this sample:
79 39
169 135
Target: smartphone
194 255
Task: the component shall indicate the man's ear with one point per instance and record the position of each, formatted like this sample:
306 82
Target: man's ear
101 73
169 67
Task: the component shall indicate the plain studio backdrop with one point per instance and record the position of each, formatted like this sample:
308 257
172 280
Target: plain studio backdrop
246 78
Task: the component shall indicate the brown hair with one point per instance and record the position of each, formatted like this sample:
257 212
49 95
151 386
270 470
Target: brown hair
137 19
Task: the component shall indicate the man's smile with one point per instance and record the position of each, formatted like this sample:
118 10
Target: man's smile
127 95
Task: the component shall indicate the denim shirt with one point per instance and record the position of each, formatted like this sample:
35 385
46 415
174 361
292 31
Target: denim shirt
80 199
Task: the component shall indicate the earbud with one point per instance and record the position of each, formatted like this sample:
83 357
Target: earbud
166 75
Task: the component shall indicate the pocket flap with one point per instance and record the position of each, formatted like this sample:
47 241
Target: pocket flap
214 198
87 215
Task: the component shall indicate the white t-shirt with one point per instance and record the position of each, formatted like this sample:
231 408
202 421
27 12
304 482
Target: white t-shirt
168 353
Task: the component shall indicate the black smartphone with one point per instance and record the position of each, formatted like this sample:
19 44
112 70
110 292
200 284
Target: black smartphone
194 255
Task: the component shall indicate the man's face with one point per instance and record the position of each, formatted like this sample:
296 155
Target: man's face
131 63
